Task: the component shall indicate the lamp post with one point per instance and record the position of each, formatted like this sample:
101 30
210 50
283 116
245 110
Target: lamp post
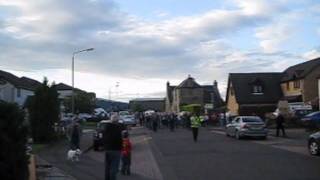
73 55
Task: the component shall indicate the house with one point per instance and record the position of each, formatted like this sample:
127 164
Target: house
319 92
190 92
144 104
16 90
300 82
253 93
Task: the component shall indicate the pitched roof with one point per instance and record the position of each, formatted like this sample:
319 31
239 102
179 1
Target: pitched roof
211 93
24 82
63 86
300 70
33 84
189 83
148 99
242 84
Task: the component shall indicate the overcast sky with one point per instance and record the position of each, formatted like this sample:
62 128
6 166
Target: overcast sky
142 44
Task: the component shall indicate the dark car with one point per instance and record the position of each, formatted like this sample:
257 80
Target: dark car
312 120
98 135
314 143
315 116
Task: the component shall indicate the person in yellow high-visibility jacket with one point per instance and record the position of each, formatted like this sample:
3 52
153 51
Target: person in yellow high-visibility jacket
196 121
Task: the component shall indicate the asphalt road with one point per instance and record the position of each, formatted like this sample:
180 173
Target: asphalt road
175 156
216 156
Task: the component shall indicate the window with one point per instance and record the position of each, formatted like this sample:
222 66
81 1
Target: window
296 84
257 89
18 92
288 86
231 91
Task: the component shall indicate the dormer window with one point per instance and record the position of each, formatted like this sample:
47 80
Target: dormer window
257 89
256 86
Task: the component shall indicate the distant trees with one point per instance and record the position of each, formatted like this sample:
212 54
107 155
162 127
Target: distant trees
84 103
13 139
44 110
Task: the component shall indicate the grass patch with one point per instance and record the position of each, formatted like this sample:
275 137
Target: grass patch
38 147
90 124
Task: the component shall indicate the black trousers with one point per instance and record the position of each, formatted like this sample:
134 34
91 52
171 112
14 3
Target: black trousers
195 134
281 127
126 162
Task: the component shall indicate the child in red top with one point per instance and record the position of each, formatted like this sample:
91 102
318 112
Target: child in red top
126 154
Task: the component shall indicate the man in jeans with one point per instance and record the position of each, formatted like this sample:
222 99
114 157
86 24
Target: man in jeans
113 145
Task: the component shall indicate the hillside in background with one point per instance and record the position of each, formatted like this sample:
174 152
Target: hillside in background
110 105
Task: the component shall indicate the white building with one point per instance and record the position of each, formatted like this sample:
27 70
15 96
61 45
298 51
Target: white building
16 90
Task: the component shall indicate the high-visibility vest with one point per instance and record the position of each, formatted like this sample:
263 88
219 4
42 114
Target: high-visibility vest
195 122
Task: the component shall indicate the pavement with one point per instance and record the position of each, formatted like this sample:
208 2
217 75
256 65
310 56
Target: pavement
91 165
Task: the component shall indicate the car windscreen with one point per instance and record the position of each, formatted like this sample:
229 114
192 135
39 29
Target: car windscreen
251 119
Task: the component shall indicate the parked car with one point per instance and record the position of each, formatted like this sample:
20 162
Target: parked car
243 126
315 116
98 135
314 143
312 120
128 120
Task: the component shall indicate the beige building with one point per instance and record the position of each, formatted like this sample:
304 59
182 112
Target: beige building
300 82
259 93
190 92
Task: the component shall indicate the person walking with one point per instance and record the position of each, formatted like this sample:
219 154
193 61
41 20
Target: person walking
112 139
280 126
75 136
172 122
155 119
126 154
195 124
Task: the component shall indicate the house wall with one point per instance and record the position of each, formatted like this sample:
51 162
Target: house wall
310 88
319 91
292 91
24 94
189 96
232 103
9 93
64 93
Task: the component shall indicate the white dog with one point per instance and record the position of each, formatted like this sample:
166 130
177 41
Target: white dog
74 155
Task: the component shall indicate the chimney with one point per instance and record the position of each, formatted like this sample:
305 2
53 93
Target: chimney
215 83
168 83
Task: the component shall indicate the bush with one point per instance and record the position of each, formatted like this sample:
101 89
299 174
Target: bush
44 110
13 140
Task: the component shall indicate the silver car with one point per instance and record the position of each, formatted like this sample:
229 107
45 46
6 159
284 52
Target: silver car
243 126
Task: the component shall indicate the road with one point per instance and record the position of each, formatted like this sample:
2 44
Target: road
169 155
216 156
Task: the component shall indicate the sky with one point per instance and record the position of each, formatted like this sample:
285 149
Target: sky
142 44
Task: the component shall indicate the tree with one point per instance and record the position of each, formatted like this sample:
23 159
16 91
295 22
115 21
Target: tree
44 110
83 103
13 139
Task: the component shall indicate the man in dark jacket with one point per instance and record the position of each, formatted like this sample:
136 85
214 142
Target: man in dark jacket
113 144
280 121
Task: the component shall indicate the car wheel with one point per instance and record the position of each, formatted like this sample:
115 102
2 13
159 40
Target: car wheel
314 148
264 137
238 135
95 147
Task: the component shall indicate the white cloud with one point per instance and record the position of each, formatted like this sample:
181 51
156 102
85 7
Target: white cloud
315 53
41 36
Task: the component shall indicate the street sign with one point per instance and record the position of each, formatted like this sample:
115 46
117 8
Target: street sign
208 106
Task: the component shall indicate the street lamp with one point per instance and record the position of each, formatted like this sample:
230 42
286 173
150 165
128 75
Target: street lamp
73 55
